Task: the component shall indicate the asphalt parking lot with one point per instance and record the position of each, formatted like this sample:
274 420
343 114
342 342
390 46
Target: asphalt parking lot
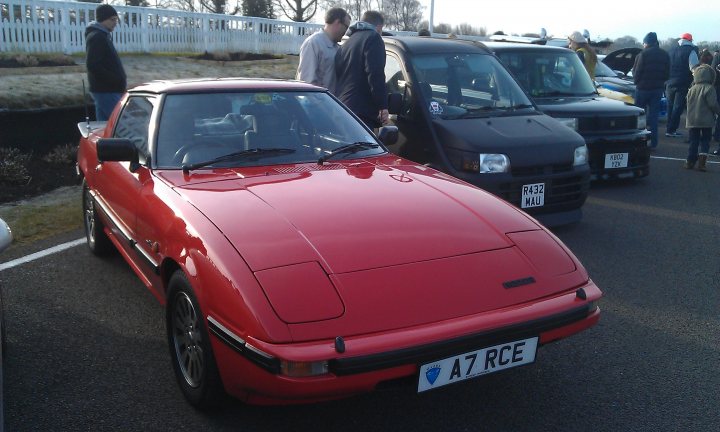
86 348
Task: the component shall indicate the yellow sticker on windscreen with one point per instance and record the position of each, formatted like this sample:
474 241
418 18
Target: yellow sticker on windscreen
263 98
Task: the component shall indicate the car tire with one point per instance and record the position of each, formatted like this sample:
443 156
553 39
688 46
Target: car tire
95 236
190 350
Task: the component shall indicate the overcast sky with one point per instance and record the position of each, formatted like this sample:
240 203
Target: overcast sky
602 18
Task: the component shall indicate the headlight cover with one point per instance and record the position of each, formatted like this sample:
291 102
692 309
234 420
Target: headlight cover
642 121
494 163
570 122
581 155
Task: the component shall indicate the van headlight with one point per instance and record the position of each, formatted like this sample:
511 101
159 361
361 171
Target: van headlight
570 122
581 155
494 163
642 121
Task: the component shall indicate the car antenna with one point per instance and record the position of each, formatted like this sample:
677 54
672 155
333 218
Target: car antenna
85 102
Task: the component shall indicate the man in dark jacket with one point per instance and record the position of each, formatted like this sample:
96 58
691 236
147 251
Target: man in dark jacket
105 70
360 70
651 70
683 58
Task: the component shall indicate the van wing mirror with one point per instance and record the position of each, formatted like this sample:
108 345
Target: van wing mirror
394 103
388 135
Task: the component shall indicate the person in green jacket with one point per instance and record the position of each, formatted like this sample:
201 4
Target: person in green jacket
702 107
579 44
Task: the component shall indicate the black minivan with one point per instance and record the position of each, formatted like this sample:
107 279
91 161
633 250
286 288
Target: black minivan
561 87
464 114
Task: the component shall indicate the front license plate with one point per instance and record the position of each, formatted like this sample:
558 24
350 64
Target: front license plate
616 160
533 195
476 363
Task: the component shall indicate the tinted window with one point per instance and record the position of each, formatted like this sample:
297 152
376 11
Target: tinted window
195 128
457 84
133 124
549 72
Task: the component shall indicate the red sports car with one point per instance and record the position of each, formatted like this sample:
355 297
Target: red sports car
300 261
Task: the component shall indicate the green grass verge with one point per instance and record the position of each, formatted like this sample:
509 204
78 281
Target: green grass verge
31 222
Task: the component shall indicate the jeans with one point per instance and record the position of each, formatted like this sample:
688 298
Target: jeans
677 98
699 137
650 101
716 133
105 104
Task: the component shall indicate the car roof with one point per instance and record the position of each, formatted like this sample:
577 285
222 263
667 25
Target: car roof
511 46
209 85
432 45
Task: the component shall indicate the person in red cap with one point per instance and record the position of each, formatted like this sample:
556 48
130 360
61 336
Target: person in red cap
683 58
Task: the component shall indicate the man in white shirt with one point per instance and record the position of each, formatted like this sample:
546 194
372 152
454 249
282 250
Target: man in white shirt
317 53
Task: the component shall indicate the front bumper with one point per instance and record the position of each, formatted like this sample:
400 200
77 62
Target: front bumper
635 146
371 361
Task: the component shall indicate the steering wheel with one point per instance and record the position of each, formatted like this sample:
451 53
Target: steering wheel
184 150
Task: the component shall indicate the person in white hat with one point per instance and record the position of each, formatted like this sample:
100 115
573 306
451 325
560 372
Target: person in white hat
580 45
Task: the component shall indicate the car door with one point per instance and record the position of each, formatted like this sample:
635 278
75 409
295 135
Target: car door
119 185
414 137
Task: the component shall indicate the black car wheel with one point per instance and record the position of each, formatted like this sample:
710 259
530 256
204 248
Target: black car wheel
97 240
190 350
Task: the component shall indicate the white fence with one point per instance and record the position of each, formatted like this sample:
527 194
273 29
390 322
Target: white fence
59 27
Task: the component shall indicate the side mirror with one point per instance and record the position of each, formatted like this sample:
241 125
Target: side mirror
388 135
394 103
118 150
5 235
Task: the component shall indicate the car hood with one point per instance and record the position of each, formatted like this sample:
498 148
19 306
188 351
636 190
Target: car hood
349 217
365 247
585 107
616 83
622 59
531 140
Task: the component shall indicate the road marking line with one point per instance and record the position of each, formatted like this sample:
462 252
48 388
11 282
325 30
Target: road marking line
680 159
41 254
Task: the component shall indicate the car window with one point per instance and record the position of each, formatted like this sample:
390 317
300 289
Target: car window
603 70
133 124
195 128
452 85
549 72
396 81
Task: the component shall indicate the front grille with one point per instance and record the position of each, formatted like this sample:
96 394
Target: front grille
539 170
599 124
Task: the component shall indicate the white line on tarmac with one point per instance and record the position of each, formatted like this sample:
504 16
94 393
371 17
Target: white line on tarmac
710 161
41 254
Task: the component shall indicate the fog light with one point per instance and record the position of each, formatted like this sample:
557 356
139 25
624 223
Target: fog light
303 369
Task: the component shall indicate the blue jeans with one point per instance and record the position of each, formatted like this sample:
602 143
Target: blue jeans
677 98
699 137
105 104
650 101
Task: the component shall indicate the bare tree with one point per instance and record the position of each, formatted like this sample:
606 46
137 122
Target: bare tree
442 28
402 15
354 7
298 10
258 8
469 30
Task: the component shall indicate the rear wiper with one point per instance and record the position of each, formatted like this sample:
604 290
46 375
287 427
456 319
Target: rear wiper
244 154
348 148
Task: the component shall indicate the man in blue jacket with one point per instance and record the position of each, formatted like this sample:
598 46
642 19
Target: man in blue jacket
683 58
651 70
360 70
105 71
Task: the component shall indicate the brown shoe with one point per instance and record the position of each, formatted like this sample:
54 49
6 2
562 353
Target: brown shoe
702 159
689 165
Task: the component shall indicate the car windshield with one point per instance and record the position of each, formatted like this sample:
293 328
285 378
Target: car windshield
603 70
549 72
235 129
464 85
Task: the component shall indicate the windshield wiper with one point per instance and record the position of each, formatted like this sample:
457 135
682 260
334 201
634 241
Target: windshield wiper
245 154
556 93
348 148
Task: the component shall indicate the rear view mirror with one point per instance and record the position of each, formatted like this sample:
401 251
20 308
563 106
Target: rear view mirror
394 103
388 135
5 235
